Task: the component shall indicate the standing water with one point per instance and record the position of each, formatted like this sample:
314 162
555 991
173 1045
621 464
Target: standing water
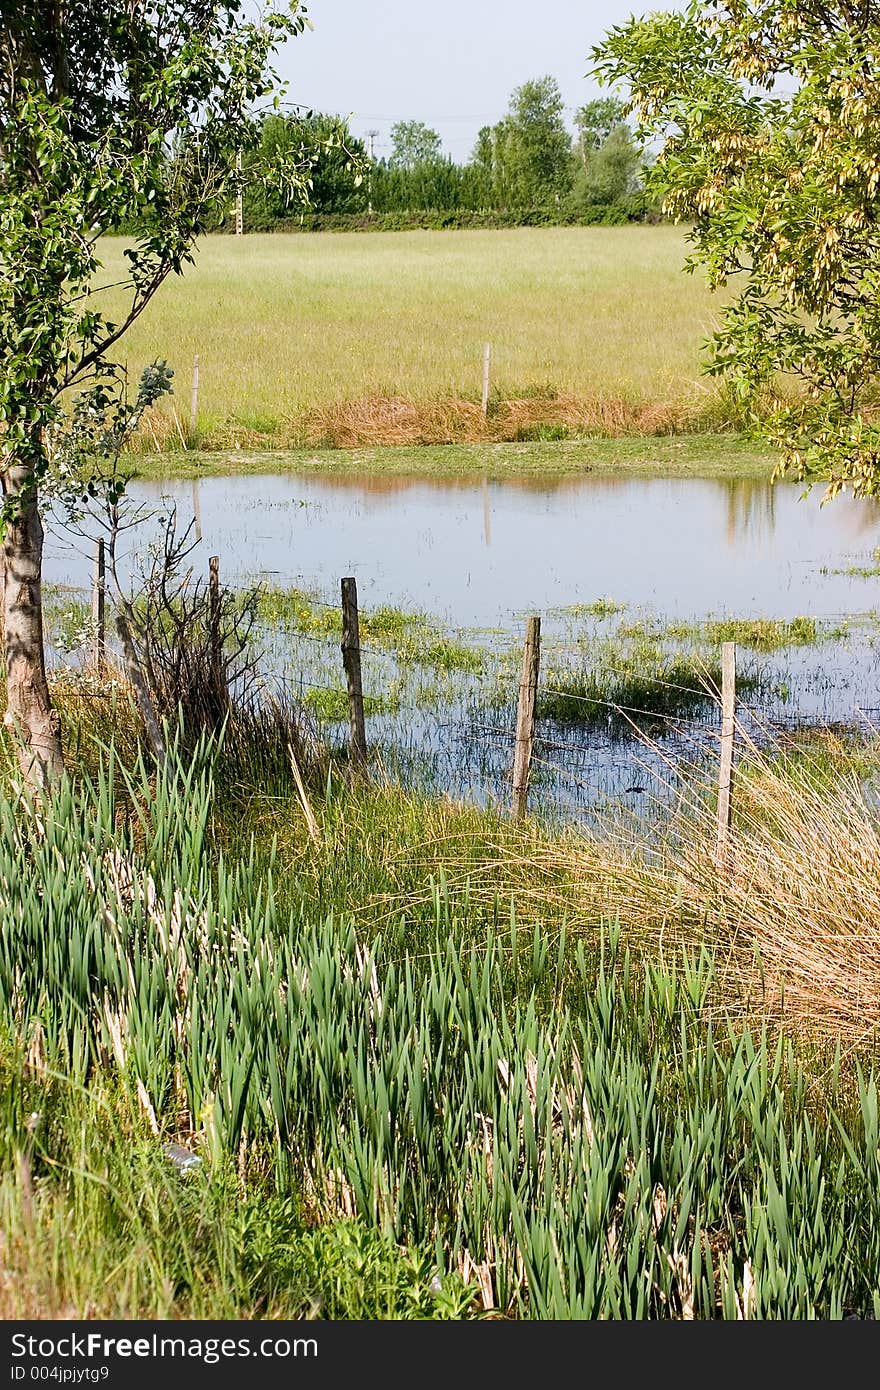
628 575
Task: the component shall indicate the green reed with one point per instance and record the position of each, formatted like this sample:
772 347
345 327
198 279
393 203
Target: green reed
571 1134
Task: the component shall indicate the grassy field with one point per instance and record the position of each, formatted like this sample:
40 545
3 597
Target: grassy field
346 340
541 463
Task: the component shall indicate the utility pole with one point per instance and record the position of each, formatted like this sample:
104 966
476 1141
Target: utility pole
239 207
371 136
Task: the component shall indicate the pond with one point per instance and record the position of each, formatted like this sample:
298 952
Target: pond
630 576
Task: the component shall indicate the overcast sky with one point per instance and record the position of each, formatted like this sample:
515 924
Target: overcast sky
452 65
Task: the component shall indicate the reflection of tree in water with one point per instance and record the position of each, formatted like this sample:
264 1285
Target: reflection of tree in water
858 518
751 509
388 484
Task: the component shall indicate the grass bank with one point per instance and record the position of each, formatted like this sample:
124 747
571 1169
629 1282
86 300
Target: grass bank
452 1108
344 340
725 457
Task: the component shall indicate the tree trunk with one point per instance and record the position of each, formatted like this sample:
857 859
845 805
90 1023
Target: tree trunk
34 724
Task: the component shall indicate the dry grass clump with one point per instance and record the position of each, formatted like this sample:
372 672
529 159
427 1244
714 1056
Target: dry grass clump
386 421
396 421
793 921
795 915
803 897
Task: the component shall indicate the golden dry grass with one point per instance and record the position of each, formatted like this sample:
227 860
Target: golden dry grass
356 339
794 918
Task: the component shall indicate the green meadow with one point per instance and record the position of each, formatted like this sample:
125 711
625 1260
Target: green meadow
348 340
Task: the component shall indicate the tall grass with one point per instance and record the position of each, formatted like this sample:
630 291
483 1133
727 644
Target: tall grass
794 914
349 340
96 1222
571 1134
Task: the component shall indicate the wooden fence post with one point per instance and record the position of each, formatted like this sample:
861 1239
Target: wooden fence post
99 602
486 354
351 660
194 400
218 673
725 772
141 689
525 717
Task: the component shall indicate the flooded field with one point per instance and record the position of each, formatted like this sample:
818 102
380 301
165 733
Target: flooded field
637 582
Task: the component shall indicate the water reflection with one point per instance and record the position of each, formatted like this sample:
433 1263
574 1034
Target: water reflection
477 555
751 509
475 552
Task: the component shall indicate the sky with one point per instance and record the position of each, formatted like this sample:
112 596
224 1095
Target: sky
452 65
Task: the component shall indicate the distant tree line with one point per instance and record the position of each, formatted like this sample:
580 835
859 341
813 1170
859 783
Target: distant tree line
525 169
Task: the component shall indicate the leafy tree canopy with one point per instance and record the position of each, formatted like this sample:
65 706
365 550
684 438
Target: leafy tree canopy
595 121
611 172
111 113
769 117
526 158
540 142
413 143
107 113
314 141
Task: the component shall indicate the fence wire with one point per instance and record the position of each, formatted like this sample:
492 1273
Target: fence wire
617 747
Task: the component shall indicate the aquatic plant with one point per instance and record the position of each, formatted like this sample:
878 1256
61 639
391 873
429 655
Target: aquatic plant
570 1130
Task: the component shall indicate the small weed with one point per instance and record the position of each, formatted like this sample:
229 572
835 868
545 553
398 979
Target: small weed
600 608
330 703
765 634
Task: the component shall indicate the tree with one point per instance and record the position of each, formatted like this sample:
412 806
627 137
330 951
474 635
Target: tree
124 112
613 172
496 161
769 113
595 121
413 143
610 160
335 183
525 159
538 143
440 185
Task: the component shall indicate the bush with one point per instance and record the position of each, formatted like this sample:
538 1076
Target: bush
634 209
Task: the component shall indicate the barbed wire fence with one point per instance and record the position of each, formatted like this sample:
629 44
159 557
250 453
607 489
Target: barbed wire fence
663 746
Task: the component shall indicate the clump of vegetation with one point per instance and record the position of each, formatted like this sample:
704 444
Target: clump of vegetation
758 634
440 652
294 610
410 636
672 686
766 634
98 1222
488 1113
600 608
330 703
389 624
